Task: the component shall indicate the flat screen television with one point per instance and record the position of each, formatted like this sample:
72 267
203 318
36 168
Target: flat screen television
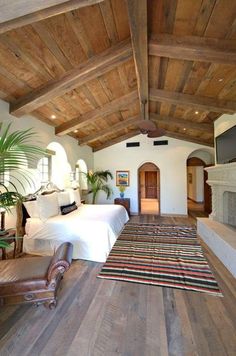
226 146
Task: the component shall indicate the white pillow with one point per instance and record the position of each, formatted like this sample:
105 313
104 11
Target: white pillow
48 206
64 198
75 196
32 208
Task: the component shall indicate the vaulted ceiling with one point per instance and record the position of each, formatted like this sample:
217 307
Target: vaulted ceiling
87 67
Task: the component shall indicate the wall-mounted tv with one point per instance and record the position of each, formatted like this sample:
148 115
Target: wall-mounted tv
226 146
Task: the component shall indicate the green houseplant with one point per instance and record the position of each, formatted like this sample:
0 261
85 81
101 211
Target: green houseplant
16 152
97 181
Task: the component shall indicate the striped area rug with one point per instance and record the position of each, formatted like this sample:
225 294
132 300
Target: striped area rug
160 255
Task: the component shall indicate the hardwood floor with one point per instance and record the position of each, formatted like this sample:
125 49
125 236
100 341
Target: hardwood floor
149 206
104 318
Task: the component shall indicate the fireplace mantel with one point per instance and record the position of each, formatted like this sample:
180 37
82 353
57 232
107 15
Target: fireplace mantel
217 231
222 174
221 178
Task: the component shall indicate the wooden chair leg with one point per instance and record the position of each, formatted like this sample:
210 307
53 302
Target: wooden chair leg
14 252
4 255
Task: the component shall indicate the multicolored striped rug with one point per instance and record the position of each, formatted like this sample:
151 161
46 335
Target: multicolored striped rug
160 255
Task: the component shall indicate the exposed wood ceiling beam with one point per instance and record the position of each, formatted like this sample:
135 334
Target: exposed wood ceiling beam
194 48
44 13
195 101
201 126
184 137
109 130
137 11
91 69
90 116
117 140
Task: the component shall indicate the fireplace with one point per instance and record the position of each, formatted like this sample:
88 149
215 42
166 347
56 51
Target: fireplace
229 208
219 231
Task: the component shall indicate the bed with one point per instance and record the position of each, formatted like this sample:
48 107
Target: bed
92 229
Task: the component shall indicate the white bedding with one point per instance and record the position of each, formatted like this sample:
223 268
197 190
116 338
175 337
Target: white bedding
93 230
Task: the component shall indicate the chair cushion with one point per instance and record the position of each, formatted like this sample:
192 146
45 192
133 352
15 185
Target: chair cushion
24 269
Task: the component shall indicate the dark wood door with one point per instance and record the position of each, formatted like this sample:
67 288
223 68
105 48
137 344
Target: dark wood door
151 185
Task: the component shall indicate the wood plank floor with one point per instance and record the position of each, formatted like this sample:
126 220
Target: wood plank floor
104 318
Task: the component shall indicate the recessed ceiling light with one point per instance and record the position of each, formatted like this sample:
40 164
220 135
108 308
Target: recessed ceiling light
196 112
220 80
53 117
75 131
184 128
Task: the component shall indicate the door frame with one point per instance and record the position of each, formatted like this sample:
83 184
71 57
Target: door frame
195 161
158 185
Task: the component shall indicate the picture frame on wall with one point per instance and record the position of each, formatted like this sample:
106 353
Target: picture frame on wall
122 178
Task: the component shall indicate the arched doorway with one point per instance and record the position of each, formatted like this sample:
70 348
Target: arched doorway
199 192
149 189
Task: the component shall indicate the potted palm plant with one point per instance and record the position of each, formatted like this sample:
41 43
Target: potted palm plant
16 152
97 182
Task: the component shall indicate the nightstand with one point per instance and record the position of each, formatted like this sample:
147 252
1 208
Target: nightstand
125 202
9 237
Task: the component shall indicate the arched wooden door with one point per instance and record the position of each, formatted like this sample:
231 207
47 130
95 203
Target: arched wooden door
149 189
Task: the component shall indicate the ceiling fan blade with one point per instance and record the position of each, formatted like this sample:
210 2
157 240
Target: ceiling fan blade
146 125
157 133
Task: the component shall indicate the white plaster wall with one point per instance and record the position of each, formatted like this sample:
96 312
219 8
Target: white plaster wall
207 155
46 135
170 159
199 184
196 188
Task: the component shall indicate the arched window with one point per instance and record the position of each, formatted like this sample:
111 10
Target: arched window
80 169
45 169
60 171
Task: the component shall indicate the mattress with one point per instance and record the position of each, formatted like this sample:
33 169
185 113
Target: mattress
92 229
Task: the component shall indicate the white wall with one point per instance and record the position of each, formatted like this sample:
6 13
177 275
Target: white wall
170 159
196 187
45 136
207 155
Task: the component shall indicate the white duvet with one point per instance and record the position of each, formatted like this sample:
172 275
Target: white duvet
92 229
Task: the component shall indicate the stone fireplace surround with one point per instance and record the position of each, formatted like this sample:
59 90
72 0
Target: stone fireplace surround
219 230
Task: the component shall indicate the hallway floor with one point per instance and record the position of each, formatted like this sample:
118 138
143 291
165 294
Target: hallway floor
150 206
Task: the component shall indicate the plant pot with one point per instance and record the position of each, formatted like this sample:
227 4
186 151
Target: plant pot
122 195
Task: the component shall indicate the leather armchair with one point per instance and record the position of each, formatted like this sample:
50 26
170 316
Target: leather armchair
34 279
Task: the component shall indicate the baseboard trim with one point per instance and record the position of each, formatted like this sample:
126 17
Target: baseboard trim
197 202
174 215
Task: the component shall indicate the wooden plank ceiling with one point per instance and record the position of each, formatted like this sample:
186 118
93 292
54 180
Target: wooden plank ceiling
87 66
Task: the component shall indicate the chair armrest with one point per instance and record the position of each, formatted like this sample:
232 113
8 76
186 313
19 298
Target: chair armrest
61 261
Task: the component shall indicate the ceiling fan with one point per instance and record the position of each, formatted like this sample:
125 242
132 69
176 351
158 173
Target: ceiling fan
148 127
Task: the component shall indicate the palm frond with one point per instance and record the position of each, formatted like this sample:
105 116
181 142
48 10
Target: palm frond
16 149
